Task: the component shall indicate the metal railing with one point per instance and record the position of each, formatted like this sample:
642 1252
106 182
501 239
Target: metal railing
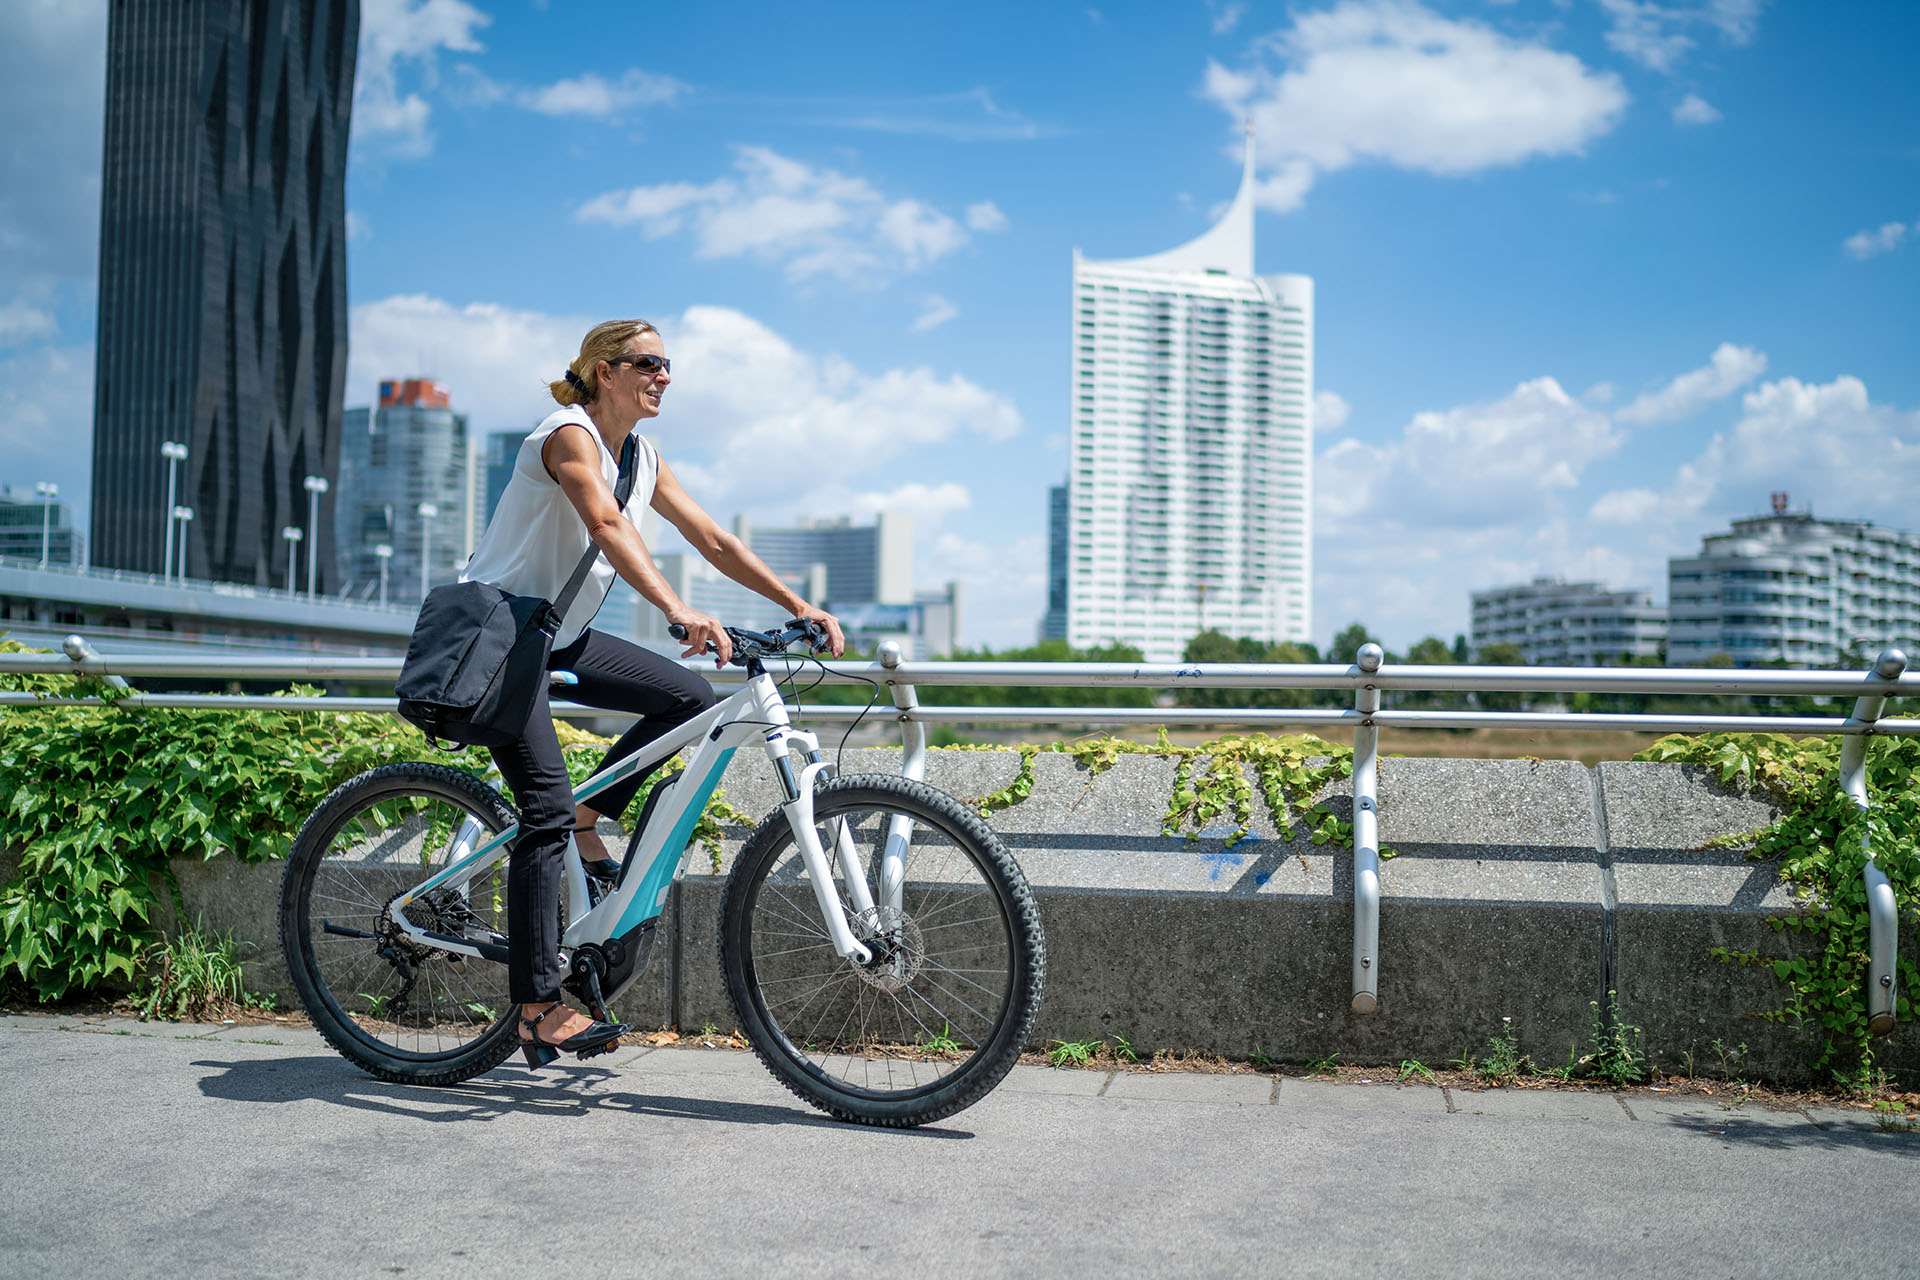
1368 678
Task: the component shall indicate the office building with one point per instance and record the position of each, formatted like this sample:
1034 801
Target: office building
406 483
32 526
1787 587
223 286
926 626
1570 624
1053 623
864 564
1190 483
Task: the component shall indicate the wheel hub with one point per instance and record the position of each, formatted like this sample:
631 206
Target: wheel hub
899 953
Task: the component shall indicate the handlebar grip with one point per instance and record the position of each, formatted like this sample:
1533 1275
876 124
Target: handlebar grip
677 631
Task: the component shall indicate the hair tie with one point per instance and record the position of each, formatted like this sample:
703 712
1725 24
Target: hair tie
575 380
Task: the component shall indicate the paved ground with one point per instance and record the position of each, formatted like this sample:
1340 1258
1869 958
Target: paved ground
156 1150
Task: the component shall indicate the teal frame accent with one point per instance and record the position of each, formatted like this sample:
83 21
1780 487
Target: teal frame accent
645 903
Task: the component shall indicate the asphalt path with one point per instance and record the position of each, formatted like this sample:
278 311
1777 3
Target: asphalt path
154 1150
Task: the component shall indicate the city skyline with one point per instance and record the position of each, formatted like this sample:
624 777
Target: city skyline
1559 333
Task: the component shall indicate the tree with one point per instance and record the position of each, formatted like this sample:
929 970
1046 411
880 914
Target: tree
1348 642
1501 655
1214 646
1431 651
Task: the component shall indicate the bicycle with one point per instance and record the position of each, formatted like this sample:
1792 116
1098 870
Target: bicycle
880 948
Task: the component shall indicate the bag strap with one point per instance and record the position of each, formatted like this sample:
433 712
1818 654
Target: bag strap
622 490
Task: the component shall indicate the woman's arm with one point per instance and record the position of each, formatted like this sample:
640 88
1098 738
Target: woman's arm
731 556
572 457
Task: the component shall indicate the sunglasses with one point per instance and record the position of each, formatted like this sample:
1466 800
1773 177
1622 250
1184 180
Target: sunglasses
648 363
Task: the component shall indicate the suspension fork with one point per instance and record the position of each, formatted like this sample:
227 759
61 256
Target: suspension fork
799 811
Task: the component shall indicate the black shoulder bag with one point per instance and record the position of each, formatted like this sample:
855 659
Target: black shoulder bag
478 656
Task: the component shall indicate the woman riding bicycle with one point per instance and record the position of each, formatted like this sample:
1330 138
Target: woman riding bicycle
560 497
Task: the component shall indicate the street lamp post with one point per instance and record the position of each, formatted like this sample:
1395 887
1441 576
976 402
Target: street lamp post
292 533
185 516
385 552
426 511
175 454
316 485
48 491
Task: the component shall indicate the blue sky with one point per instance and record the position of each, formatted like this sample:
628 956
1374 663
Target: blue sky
1592 277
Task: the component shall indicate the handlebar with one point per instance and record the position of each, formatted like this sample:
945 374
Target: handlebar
751 645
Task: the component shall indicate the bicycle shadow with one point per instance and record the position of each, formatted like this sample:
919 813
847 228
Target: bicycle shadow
578 1091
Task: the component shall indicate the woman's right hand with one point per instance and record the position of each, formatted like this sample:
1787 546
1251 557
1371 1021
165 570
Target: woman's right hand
701 631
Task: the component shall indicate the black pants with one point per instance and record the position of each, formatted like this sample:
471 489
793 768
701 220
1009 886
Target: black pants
614 676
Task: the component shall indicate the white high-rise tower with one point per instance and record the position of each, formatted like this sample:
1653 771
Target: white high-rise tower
1191 481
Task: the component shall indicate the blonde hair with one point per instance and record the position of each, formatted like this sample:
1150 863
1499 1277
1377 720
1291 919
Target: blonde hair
603 342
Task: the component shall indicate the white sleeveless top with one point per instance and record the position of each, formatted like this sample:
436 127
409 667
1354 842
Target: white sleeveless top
536 538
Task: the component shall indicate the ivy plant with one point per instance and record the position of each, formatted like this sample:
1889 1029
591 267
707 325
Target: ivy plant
1820 843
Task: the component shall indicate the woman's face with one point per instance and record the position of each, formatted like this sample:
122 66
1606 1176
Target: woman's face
630 390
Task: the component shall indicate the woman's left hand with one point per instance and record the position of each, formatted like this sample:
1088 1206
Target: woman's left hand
836 642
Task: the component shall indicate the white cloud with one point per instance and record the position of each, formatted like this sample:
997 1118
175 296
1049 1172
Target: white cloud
927 504
986 216
1729 369
969 115
1330 412
1883 239
1821 441
747 410
20 323
1005 585
1390 81
1226 15
1655 34
1694 109
1624 506
764 411
1828 444
397 34
935 313
590 94
496 360
1466 497
1450 467
812 221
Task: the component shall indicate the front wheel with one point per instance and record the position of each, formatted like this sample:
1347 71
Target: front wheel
940 1014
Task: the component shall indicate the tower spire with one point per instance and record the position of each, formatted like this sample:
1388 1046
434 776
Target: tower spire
1226 246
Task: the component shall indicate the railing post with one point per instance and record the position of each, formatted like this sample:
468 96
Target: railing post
1883 913
1366 838
78 650
913 733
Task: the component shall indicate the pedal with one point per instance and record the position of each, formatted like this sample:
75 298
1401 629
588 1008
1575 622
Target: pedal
608 1047
586 984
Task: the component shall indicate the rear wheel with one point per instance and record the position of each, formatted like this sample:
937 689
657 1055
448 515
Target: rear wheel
400 1010
942 1011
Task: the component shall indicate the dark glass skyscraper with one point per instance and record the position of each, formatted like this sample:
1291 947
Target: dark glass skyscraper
223 284
1053 623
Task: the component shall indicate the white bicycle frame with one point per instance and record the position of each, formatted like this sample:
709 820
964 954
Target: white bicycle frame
756 711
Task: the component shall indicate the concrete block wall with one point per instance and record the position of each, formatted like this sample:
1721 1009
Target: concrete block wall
1522 890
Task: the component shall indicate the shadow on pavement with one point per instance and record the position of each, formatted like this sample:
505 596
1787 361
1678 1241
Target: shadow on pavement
1772 1135
503 1091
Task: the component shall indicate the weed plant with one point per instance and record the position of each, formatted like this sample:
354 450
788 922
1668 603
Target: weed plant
193 976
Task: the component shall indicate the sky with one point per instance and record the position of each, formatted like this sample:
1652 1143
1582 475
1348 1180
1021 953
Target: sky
1593 277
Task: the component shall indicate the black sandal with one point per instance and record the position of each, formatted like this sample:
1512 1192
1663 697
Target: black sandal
601 1037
